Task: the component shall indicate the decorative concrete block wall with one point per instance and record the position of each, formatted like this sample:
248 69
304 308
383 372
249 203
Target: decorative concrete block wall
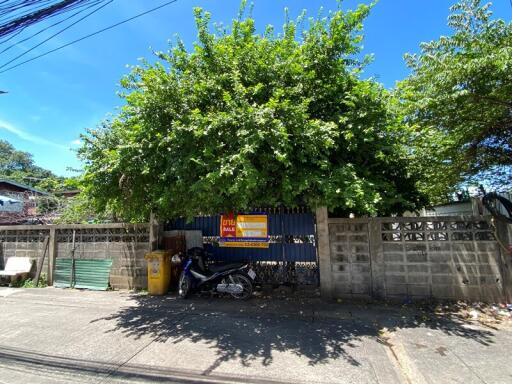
22 243
424 257
125 244
350 258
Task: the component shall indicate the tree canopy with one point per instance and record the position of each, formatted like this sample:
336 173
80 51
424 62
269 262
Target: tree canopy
19 166
458 101
247 120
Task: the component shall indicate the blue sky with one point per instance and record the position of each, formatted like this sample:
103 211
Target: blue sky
53 99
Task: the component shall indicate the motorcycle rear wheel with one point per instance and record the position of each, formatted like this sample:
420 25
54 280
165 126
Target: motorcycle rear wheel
184 286
246 282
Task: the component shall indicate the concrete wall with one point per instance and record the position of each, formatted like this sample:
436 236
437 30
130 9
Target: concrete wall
125 244
425 257
22 243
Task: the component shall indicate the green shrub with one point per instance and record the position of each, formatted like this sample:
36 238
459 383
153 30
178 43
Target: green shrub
29 283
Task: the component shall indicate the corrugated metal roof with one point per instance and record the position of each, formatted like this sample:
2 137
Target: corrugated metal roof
10 205
7 199
27 187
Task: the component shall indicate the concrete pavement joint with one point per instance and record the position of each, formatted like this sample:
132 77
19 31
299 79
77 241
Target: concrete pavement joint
468 367
103 380
374 372
400 359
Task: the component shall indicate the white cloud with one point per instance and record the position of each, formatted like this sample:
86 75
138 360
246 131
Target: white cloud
28 136
76 142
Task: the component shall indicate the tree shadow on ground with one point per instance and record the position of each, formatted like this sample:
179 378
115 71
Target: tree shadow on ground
252 333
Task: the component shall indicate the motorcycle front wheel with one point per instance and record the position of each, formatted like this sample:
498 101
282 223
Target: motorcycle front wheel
246 282
184 285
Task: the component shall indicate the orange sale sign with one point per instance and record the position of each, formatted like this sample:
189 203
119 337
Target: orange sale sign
244 231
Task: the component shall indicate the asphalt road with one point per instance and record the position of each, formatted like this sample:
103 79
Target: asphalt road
70 336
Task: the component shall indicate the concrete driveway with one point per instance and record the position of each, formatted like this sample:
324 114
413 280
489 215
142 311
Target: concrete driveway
69 336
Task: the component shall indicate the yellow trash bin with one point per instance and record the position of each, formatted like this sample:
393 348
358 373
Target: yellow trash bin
159 272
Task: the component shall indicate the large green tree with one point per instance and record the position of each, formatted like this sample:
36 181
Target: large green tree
19 166
249 120
458 102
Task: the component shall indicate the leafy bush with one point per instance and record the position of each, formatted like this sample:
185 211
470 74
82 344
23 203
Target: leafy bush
29 283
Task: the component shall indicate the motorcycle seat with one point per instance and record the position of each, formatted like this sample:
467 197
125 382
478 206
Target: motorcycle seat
224 267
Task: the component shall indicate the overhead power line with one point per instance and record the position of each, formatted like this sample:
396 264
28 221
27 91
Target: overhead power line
16 15
13 21
12 36
55 34
44 29
91 35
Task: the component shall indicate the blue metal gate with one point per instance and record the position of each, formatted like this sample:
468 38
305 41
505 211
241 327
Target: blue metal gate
290 258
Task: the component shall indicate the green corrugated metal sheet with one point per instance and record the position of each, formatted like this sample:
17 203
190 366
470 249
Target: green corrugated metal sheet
89 273
92 274
62 273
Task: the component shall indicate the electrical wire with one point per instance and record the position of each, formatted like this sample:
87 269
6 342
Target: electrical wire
90 35
20 14
55 34
11 26
44 29
12 36
30 11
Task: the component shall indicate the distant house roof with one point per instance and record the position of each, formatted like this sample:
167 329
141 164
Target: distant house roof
23 186
69 193
8 200
8 205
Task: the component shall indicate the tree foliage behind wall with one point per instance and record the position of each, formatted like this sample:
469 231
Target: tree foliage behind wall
19 166
247 120
458 100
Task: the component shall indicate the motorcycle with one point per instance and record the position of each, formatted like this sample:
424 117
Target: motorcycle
235 279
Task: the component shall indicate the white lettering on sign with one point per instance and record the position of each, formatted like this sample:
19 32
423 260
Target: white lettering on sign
251 225
256 233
